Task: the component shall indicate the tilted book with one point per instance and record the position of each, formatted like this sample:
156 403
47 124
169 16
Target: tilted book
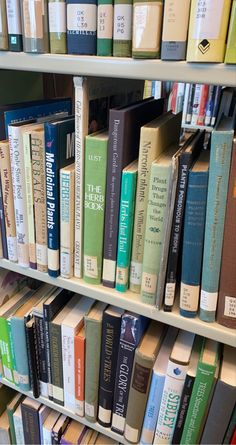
67 207
14 25
104 27
11 408
35 26
18 425
122 28
57 26
30 419
3 223
146 40
175 30
220 158
230 55
82 27
48 425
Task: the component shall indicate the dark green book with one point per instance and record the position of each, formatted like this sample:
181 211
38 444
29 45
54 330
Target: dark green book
11 407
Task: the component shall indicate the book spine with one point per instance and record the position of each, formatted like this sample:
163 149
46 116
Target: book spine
46 319
122 28
32 353
175 30
56 363
170 402
39 330
18 426
3 27
67 206
230 56
11 424
2 223
68 364
145 44
202 105
176 233
29 199
35 26
156 210
19 341
52 200
30 422
79 375
94 207
6 356
220 158
193 237
19 193
1 249
206 39
125 234
104 27
82 27
199 401
216 105
183 408
14 25
209 104
196 103
57 26
152 409
47 436
185 103
110 341
190 103
12 353
39 196
8 202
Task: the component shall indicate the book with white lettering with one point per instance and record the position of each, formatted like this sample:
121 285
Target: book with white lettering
67 206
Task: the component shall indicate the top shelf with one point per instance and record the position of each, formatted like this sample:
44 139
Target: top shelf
210 73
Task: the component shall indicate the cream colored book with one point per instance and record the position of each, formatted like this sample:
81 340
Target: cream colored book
155 137
175 29
3 26
8 202
67 215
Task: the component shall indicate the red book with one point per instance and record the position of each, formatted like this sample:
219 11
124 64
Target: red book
202 105
79 348
233 440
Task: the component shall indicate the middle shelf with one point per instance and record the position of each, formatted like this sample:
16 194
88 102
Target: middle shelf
130 301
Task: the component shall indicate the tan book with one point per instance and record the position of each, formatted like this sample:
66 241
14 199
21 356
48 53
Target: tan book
8 202
48 426
3 26
5 436
35 26
104 440
145 356
73 433
155 137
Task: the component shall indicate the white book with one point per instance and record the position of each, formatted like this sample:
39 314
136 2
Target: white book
70 326
48 425
196 103
174 382
67 212
18 425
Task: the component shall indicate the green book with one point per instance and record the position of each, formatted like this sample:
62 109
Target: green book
159 186
230 55
104 27
94 204
147 27
207 371
122 29
3 26
93 335
57 26
126 222
11 407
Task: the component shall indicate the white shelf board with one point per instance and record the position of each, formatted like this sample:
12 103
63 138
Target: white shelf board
149 69
95 426
131 302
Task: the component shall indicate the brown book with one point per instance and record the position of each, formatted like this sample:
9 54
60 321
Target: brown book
226 313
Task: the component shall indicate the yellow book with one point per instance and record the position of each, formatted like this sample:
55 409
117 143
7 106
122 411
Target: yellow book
230 55
207 30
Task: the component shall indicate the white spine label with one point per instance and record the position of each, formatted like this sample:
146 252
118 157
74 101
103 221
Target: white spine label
149 283
42 254
122 22
189 297
131 434
207 20
57 16
105 21
230 307
208 300
147 29
12 248
136 273
104 414
13 17
90 266
109 270
65 263
170 294
82 18
89 409
122 275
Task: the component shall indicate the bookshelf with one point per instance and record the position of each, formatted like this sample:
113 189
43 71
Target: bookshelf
130 301
210 73
96 426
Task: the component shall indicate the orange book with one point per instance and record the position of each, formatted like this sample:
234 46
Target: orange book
79 345
202 105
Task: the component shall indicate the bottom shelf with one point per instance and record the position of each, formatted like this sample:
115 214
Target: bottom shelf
96 426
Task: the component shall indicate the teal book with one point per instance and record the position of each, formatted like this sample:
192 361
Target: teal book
104 28
220 159
19 339
126 222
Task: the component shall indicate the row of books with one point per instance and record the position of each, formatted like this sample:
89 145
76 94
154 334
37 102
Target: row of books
122 29
122 221
26 421
148 382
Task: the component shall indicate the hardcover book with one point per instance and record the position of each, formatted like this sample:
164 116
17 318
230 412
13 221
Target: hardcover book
67 212
48 425
57 26
14 25
35 26
104 27
74 433
32 353
30 419
82 27
11 408
5 435
230 55
147 25
175 29
124 134
3 224
59 428
79 351
18 426
3 26
122 28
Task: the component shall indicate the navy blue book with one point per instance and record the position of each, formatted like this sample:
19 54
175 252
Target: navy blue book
3 225
193 236
82 27
59 152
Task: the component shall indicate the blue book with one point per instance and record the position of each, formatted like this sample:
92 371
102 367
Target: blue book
32 110
194 225
156 387
59 152
82 27
132 329
220 159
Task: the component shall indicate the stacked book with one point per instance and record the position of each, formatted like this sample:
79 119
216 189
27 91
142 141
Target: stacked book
169 30
111 195
144 380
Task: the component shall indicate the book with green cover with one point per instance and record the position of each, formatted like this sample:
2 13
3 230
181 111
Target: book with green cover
230 55
104 27
94 204
126 219
122 28
11 407
57 26
147 27
3 26
207 372
155 223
